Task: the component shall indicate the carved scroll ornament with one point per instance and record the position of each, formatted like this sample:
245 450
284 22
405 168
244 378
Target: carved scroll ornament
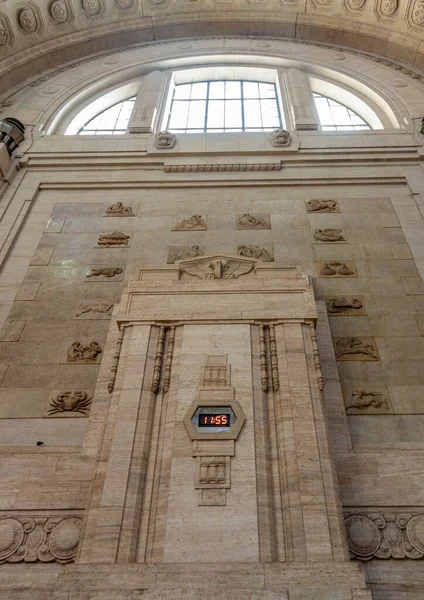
39 539
388 535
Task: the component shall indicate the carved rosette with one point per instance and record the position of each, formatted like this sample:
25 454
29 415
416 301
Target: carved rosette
356 4
417 13
388 7
28 19
39 539
321 3
59 11
393 535
124 4
6 35
92 8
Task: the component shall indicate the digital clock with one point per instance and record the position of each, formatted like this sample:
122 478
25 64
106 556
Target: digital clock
213 420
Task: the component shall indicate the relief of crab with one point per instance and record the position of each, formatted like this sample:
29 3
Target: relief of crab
74 401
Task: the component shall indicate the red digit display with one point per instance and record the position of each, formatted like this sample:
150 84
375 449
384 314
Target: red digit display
214 420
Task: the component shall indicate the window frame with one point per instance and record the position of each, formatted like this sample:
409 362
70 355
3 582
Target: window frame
364 126
350 98
108 131
207 99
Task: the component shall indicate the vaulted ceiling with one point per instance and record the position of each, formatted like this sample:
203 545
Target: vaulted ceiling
36 35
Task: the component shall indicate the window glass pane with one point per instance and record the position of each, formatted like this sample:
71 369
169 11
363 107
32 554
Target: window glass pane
270 116
252 113
267 90
232 89
217 89
215 114
224 106
355 119
196 114
233 113
335 116
340 114
124 115
179 114
198 90
182 92
250 89
108 117
113 120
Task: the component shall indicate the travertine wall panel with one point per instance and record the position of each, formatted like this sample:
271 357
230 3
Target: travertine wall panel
61 286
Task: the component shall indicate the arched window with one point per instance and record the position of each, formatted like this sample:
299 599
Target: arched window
224 106
112 121
334 116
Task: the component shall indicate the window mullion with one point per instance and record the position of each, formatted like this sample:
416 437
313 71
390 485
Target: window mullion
206 108
242 104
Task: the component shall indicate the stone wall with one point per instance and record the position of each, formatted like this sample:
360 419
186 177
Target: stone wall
346 209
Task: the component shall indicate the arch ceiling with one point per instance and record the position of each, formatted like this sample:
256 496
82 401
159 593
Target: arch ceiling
36 35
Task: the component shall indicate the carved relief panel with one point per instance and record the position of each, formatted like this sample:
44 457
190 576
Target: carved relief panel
338 306
336 268
39 538
248 221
